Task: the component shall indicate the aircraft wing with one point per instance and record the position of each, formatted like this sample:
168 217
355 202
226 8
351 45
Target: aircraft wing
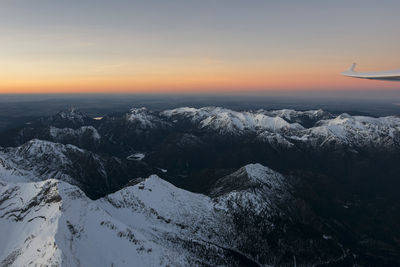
390 75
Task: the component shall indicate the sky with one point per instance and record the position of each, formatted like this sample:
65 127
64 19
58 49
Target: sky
104 46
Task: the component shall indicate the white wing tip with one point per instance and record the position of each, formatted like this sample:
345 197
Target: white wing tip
352 68
351 71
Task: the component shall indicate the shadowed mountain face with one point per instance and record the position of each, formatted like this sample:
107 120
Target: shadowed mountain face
323 191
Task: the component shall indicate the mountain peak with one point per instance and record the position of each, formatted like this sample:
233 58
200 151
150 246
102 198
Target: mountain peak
262 174
144 118
72 114
227 121
68 118
250 177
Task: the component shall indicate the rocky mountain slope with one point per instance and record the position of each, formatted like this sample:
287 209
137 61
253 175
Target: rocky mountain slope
142 129
150 223
39 160
73 190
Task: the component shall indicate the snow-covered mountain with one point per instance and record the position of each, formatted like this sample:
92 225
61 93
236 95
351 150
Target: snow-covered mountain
354 131
140 129
144 118
42 158
286 127
62 135
86 137
226 121
53 223
308 117
251 177
150 223
39 160
71 191
69 118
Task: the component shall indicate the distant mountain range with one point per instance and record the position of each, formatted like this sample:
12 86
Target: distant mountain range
201 186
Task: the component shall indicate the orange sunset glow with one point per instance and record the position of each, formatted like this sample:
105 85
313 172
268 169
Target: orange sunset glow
133 47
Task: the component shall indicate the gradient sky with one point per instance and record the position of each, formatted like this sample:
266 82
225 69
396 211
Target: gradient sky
195 46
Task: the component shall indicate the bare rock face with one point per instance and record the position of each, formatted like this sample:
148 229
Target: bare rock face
96 174
154 222
201 186
150 223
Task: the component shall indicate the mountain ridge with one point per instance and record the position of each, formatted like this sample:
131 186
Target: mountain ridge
263 187
61 214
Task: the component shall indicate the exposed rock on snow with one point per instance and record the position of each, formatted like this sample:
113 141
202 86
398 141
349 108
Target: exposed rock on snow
71 118
68 133
144 118
227 121
151 223
284 128
354 131
39 160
